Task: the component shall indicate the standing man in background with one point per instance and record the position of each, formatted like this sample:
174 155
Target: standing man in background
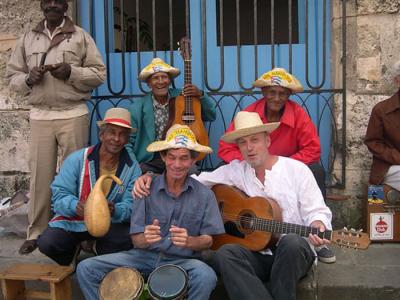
56 64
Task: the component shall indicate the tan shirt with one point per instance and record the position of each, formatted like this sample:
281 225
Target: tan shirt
54 98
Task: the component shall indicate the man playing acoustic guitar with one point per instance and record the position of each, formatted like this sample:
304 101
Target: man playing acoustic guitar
291 184
151 113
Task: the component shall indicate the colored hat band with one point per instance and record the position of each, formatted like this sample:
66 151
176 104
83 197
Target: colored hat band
115 120
277 76
182 136
179 136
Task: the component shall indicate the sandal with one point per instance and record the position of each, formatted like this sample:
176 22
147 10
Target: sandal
27 247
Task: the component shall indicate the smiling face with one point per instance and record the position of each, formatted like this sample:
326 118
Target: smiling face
276 96
114 138
159 84
54 10
254 149
177 163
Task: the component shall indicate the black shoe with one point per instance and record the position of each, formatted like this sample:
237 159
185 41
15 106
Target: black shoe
27 247
325 255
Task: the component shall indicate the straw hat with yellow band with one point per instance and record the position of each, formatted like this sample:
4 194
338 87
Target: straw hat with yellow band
179 136
247 123
279 77
158 65
118 116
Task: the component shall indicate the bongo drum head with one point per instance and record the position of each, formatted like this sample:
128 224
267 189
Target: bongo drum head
167 282
122 284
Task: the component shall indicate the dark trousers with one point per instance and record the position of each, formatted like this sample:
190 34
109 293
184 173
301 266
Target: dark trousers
244 272
319 175
60 245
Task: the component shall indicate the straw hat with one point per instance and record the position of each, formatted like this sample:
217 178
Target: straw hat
279 77
117 116
247 123
158 65
179 136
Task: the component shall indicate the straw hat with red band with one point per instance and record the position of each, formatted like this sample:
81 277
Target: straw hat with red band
117 116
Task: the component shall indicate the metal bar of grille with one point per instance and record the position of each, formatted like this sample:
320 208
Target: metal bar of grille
187 14
273 33
153 13
255 26
107 44
138 50
204 43
290 36
238 48
324 33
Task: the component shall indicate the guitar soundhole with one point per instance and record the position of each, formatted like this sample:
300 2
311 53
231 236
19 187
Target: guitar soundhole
246 221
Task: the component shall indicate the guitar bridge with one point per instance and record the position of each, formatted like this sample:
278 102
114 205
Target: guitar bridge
188 118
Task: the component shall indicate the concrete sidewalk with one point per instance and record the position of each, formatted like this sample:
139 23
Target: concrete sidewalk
369 274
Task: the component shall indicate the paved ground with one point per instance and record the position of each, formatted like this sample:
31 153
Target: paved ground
369 274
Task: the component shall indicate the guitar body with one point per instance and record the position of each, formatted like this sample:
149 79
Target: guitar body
196 124
235 206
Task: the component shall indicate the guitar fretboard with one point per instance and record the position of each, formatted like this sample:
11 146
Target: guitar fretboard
188 80
282 227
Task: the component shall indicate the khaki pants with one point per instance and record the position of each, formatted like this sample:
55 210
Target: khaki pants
45 138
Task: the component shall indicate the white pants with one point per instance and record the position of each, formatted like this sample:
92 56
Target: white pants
392 177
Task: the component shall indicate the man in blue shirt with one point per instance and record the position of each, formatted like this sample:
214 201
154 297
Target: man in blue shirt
170 226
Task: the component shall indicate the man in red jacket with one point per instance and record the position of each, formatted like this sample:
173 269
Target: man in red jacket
296 137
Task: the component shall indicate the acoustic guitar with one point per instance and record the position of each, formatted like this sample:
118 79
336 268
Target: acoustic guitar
187 110
256 222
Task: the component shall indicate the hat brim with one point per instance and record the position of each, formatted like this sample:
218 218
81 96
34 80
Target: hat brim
162 145
173 72
232 136
100 123
294 88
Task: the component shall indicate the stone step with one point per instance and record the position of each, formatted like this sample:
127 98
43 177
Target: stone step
365 275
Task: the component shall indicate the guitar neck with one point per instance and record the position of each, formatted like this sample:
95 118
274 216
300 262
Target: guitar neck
188 80
282 227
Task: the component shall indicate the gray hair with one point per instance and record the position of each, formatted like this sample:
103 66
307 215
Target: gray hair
103 128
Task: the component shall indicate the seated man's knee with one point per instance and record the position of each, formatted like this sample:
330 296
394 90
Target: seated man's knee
291 243
46 245
203 274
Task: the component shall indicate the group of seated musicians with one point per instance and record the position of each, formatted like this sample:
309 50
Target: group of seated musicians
172 218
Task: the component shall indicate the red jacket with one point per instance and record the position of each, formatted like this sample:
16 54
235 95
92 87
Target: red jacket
296 137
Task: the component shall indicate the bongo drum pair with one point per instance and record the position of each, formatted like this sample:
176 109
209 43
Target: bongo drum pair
167 282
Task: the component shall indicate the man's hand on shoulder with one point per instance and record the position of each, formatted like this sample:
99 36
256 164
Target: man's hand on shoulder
141 188
35 76
315 239
62 72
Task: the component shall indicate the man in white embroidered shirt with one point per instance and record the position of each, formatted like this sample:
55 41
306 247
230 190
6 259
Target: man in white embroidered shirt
291 184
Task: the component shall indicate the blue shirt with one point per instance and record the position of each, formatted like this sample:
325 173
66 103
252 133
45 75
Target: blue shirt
195 209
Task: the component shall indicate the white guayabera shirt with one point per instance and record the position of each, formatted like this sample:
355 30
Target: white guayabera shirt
290 183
